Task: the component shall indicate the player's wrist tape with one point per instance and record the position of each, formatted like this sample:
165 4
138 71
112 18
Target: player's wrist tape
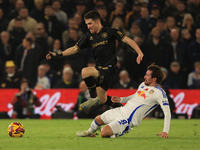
58 55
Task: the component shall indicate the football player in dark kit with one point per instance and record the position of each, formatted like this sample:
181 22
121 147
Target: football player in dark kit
102 41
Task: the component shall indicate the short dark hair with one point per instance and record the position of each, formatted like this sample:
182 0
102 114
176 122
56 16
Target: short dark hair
93 14
56 1
156 72
29 40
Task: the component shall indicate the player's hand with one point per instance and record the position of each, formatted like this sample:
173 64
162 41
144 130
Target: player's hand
48 56
115 99
163 135
139 58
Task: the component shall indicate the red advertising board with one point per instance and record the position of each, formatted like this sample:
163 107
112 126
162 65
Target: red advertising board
185 100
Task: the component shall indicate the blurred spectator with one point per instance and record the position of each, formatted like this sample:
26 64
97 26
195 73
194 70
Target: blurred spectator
12 77
181 11
57 64
80 23
104 15
179 49
170 8
3 21
43 40
73 38
38 12
43 81
29 61
155 14
51 74
156 50
81 8
28 23
118 24
67 80
24 101
65 34
146 24
2 69
15 12
178 75
193 81
168 82
193 7
18 33
53 26
170 24
118 12
133 15
47 3
83 96
68 6
135 31
6 48
197 20
60 15
186 36
194 50
188 23
164 34
125 82
91 62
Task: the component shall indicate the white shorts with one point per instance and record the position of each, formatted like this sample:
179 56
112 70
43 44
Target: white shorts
116 121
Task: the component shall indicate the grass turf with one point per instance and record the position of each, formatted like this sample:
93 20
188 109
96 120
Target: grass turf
61 134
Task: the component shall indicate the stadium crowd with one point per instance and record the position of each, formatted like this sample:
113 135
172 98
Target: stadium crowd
168 33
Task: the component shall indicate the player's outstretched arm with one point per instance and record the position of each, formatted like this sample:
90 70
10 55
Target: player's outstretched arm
135 47
163 135
67 52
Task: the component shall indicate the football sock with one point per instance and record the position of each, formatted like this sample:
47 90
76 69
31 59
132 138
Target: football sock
110 103
91 84
94 127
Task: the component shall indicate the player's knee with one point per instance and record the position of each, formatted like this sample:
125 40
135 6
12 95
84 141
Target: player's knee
99 120
106 132
84 73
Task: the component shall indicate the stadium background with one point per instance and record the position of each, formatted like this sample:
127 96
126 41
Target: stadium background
124 15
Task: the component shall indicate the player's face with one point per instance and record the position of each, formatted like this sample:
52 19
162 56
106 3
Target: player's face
92 25
148 78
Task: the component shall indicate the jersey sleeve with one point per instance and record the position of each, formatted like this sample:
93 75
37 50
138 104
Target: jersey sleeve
163 101
83 42
118 34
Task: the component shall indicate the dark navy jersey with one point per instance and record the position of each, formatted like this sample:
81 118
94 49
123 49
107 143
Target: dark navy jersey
102 44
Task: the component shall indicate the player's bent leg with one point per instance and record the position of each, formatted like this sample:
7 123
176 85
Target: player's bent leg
106 131
102 94
89 71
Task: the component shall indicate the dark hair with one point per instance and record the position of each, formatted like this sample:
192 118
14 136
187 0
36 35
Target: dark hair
156 72
23 8
29 40
56 1
93 14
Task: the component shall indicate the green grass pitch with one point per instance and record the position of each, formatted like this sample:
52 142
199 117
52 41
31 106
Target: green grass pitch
61 135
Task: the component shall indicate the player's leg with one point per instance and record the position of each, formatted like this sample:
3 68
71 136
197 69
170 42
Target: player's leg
95 125
89 75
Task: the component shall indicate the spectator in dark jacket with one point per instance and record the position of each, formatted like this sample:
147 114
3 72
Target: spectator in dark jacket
38 12
67 80
3 21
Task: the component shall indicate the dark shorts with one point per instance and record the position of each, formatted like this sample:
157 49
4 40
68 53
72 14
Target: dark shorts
106 76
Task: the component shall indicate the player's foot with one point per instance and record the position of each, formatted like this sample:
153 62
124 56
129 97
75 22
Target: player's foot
85 134
89 103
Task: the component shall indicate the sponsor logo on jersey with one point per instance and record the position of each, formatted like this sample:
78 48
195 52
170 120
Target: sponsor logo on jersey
152 91
120 33
141 94
91 38
146 89
104 35
100 43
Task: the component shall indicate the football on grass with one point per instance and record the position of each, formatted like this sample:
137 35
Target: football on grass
16 129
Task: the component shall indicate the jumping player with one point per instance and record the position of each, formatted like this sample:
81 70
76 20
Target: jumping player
102 41
122 119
